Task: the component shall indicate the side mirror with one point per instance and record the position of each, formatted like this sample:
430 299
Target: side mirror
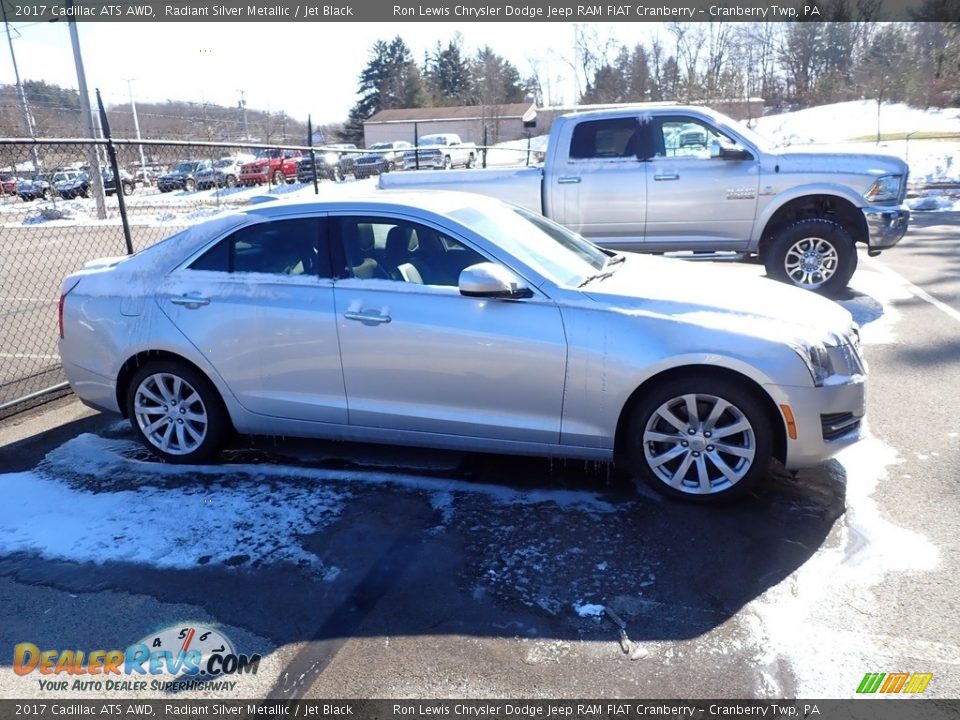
730 153
492 281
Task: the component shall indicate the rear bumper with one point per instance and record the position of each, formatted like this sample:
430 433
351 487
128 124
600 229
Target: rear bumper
94 390
885 226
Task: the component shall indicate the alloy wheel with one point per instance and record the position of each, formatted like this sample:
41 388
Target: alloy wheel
699 444
170 413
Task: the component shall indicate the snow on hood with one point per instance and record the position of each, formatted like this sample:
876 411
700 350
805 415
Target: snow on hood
841 160
698 294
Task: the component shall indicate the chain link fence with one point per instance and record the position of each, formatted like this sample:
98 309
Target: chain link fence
54 218
60 207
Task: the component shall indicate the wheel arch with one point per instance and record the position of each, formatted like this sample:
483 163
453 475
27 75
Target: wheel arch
138 360
773 414
820 205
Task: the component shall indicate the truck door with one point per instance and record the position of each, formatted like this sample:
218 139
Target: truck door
699 191
597 184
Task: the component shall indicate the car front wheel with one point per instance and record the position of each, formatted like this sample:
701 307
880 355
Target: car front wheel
176 412
700 439
190 185
813 254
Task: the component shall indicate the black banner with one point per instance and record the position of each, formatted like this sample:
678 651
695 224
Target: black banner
460 11
858 709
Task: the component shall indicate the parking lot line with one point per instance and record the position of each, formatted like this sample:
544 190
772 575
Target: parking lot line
914 289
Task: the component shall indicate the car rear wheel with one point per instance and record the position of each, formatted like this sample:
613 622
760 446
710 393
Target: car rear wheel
176 412
189 184
813 254
278 178
128 188
231 181
701 439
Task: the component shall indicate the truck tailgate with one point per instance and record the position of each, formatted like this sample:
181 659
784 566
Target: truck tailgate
520 186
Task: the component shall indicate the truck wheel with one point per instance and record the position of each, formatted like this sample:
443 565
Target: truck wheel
470 161
190 185
813 254
704 439
447 162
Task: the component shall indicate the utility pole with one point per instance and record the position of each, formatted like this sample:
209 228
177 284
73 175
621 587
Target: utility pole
27 119
243 108
136 128
93 157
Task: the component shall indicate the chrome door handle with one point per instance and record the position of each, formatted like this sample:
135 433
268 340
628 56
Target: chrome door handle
363 317
191 301
569 180
667 176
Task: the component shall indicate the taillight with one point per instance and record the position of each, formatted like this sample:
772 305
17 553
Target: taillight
63 297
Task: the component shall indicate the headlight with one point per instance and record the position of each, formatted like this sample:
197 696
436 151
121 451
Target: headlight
885 189
817 360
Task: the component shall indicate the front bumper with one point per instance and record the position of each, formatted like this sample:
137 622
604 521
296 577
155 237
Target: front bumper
885 226
826 419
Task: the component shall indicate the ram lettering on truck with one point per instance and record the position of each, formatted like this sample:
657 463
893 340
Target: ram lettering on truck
672 178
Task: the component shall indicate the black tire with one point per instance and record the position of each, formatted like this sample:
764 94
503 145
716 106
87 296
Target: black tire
217 422
128 188
278 178
189 184
336 174
831 250
231 181
746 454
447 162
470 161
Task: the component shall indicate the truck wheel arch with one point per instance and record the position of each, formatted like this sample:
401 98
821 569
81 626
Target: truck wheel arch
822 206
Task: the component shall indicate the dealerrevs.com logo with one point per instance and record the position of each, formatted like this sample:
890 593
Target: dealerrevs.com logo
191 656
894 683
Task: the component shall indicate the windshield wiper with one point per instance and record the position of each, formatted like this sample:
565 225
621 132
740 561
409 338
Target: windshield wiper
606 271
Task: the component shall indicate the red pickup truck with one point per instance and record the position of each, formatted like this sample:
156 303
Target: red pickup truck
276 166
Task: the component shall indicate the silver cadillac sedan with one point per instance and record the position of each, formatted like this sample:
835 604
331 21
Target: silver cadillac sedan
455 321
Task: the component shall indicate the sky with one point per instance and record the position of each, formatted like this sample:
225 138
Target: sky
300 68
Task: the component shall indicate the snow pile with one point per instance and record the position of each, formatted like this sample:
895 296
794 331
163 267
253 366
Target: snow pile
857 119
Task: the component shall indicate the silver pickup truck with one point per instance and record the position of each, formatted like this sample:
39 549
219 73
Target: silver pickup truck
668 178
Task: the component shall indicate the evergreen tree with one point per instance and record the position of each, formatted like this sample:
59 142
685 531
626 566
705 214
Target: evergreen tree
390 80
448 77
495 79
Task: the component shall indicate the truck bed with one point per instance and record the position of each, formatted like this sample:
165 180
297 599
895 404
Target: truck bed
520 186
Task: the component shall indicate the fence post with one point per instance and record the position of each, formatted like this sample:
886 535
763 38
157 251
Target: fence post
484 151
313 155
117 184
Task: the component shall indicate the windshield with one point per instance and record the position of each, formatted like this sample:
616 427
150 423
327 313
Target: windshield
225 162
550 249
187 167
752 137
380 146
433 141
262 154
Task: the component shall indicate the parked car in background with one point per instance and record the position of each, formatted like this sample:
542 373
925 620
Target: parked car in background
36 188
457 321
380 158
8 184
183 176
126 182
71 184
440 151
277 166
225 172
334 162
